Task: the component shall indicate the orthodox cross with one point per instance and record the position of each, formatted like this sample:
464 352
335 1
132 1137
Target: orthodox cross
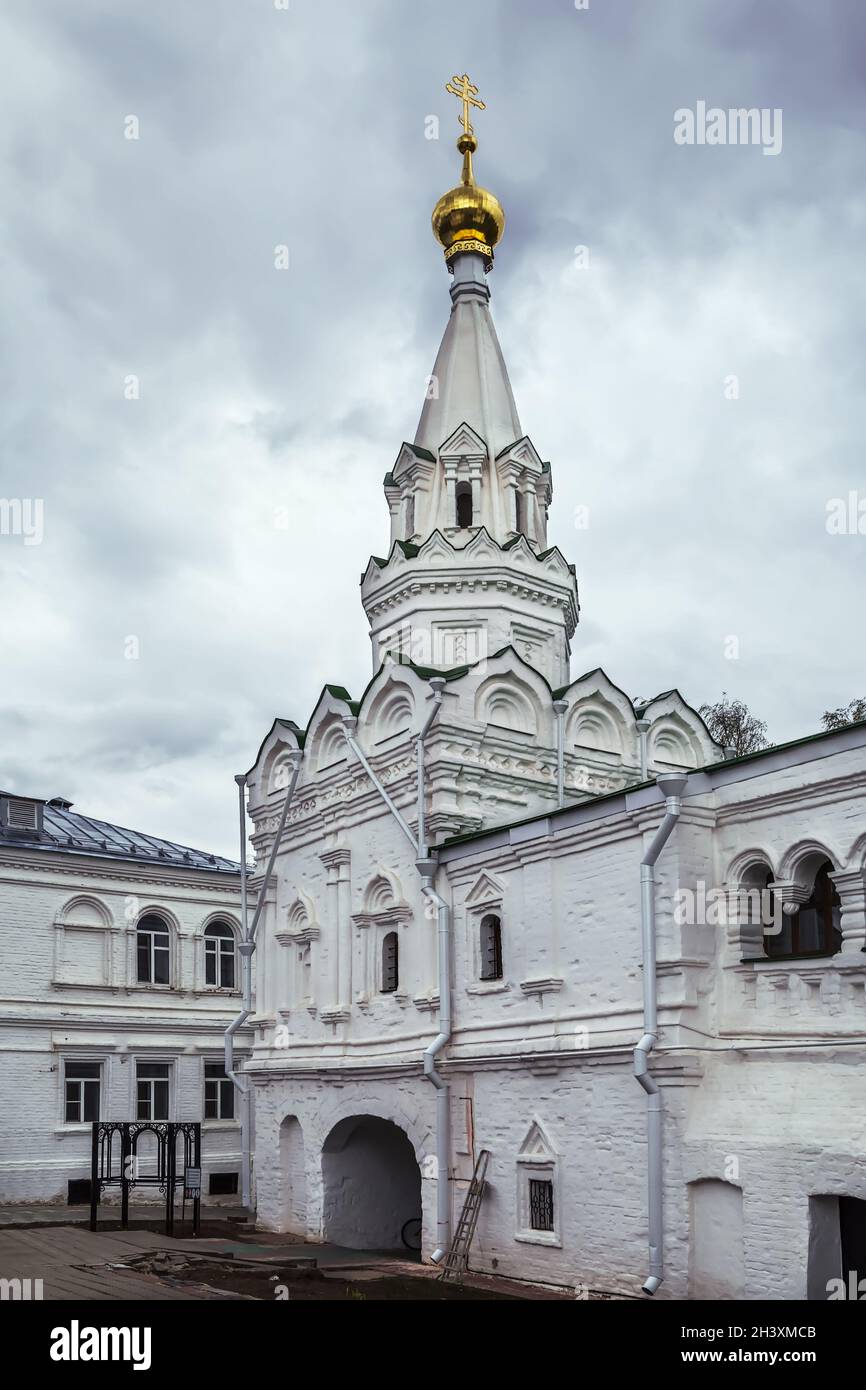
462 88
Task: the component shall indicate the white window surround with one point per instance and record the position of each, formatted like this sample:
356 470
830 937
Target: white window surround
537 1159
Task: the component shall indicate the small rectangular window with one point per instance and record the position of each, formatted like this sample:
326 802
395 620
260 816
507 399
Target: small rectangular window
540 1204
219 1093
82 1083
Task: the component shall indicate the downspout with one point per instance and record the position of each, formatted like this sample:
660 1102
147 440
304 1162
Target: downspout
427 870
349 726
246 948
671 785
643 726
426 867
559 708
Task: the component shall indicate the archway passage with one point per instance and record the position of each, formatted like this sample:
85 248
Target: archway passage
372 1184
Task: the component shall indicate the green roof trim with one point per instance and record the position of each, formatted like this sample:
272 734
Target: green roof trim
339 692
388 480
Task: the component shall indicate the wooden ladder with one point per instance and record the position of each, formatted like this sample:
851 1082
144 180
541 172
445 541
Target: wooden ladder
457 1259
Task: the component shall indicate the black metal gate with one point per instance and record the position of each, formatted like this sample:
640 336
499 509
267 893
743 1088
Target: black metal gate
117 1165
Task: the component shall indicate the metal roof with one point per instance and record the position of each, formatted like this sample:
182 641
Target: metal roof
68 832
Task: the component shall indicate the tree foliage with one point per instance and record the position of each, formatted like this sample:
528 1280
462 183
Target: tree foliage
733 725
848 714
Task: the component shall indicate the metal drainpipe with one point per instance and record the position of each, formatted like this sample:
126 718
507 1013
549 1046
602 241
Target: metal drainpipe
671 785
426 867
427 870
245 949
643 726
559 708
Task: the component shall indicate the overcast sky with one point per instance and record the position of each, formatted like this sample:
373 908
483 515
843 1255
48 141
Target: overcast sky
266 393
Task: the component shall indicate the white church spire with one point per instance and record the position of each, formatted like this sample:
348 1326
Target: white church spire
469 571
470 382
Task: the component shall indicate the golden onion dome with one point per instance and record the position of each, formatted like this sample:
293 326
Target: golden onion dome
468 218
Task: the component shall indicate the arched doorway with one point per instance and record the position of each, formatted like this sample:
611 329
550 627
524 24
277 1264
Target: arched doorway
293 1178
372 1184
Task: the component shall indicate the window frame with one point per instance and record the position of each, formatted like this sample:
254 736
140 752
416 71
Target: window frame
152 1082
142 929
220 948
81 1083
220 1082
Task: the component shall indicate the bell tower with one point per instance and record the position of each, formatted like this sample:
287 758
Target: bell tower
469 570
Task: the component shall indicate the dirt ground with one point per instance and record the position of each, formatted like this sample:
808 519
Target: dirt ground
306 1285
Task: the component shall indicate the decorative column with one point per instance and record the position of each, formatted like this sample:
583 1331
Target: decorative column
851 888
407 524
744 929
339 988
344 894
475 483
333 920
530 511
450 494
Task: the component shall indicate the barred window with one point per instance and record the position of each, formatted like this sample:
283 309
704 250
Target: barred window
390 974
491 948
540 1204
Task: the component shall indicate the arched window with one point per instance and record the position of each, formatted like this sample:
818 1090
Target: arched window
390 950
219 955
491 948
815 928
153 949
520 513
464 504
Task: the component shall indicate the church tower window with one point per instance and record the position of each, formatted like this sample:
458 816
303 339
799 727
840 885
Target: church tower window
390 974
520 513
464 505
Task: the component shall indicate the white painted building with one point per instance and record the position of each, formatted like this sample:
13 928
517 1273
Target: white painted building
538 794
118 955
